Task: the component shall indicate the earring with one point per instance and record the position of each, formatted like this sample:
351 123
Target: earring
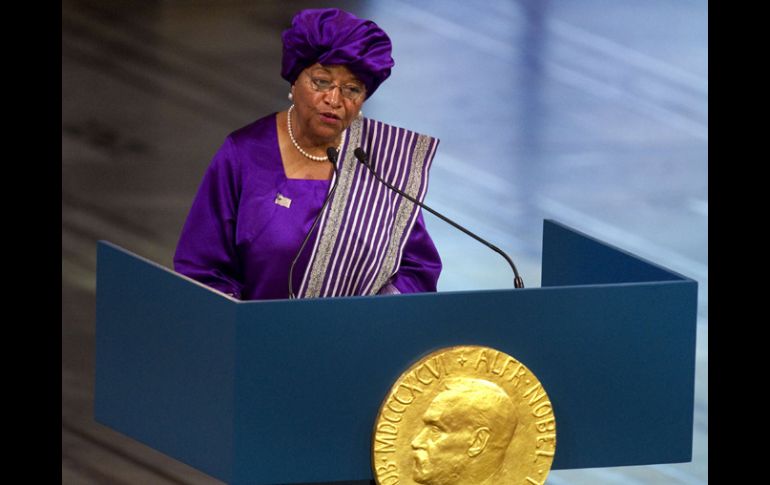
291 97
360 114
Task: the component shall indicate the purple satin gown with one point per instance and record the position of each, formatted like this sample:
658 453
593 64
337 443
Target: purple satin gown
238 240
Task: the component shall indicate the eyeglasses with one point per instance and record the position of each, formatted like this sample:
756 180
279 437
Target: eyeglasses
350 91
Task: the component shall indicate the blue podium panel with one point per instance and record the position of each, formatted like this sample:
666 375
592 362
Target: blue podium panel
165 361
573 258
286 391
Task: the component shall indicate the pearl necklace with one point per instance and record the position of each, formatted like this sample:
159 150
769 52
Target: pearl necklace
296 145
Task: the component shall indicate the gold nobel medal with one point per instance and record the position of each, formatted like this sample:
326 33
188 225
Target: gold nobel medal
465 415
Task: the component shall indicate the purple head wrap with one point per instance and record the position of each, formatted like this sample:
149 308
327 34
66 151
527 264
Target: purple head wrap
331 36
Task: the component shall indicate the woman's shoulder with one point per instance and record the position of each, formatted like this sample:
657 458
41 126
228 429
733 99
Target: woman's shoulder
373 125
261 130
254 146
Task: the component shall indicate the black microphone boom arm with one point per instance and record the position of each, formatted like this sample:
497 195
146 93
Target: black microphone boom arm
364 159
332 154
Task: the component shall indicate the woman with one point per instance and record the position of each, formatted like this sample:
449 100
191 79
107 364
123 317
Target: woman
267 183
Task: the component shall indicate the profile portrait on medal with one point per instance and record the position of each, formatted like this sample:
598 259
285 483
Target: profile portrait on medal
466 431
286 209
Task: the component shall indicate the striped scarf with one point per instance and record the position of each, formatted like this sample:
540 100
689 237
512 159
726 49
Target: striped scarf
364 228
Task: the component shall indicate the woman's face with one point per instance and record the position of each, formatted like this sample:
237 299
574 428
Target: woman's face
322 116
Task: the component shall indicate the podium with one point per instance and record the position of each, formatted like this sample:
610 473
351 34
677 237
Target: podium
287 391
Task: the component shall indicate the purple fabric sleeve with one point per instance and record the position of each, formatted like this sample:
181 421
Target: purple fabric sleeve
420 263
206 250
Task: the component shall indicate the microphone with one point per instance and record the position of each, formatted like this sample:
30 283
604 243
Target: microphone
364 159
332 154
